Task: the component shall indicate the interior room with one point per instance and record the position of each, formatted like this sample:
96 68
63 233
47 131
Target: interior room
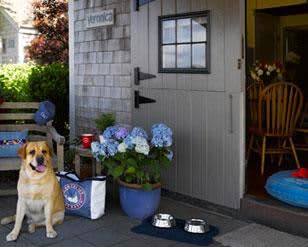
277 51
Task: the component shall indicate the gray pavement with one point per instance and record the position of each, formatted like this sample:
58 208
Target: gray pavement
113 229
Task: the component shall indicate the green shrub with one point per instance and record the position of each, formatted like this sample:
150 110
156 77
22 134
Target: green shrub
105 120
51 82
14 81
32 82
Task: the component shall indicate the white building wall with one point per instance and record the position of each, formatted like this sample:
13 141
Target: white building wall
8 35
13 40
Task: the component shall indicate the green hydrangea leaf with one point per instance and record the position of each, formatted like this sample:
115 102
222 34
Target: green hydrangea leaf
147 187
117 171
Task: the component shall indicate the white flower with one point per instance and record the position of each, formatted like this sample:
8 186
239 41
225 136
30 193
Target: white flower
270 68
122 147
142 145
260 72
268 73
143 149
138 140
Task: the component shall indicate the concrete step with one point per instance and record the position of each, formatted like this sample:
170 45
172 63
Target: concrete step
275 214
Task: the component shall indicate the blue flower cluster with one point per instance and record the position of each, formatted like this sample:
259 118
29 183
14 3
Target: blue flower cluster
118 139
137 131
116 132
106 149
162 135
109 132
129 141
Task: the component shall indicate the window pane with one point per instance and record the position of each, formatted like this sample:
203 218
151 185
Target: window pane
168 32
183 30
198 56
199 29
169 56
183 56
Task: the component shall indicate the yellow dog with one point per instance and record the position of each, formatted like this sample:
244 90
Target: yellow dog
40 197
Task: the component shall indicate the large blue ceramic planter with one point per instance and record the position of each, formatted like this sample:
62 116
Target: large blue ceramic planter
137 203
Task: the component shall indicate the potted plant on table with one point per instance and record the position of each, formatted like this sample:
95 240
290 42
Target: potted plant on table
103 122
136 161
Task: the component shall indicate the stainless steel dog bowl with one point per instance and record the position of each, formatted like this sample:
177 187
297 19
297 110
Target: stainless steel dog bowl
196 226
163 221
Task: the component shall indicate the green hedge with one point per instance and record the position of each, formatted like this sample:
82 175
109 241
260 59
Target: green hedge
32 82
14 81
51 82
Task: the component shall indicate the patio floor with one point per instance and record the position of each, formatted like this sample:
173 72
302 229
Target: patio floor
113 229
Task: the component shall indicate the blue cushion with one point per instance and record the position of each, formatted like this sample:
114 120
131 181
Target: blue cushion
10 142
45 112
288 189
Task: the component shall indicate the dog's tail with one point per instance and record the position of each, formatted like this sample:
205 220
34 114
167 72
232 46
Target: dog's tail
7 220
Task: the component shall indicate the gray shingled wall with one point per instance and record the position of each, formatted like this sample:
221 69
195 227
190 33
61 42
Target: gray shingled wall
102 64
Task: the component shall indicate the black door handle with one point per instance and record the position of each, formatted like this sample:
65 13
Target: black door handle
142 100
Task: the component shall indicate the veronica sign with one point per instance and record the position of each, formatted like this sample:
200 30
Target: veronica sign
102 18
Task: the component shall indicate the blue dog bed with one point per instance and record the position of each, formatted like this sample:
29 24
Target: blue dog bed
288 189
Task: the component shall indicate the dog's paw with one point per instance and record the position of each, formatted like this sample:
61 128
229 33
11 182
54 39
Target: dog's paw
6 220
51 234
12 236
31 228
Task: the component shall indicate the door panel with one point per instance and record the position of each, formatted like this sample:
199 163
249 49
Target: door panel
207 160
216 80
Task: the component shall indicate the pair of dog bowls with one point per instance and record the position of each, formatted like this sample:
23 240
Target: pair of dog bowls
191 225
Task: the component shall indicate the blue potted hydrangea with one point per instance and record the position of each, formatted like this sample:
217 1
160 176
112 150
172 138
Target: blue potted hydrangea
136 160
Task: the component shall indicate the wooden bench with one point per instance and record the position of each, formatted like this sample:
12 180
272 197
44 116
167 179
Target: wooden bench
18 116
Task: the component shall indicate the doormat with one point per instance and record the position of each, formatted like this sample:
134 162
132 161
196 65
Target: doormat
255 235
176 233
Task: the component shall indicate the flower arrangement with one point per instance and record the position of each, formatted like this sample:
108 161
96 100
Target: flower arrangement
266 72
133 157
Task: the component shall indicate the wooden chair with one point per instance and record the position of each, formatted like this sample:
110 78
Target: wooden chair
279 108
252 95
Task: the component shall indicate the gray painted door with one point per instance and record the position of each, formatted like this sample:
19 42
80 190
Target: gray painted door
205 111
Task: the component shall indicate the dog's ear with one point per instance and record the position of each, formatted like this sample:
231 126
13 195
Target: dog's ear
22 151
49 149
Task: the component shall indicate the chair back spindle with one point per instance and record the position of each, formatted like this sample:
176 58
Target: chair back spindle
253 92
279 108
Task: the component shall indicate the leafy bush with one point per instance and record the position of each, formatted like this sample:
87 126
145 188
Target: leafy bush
14 80
51 82
32 82
104 121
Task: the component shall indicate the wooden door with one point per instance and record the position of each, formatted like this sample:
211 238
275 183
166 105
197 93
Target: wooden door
205 111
